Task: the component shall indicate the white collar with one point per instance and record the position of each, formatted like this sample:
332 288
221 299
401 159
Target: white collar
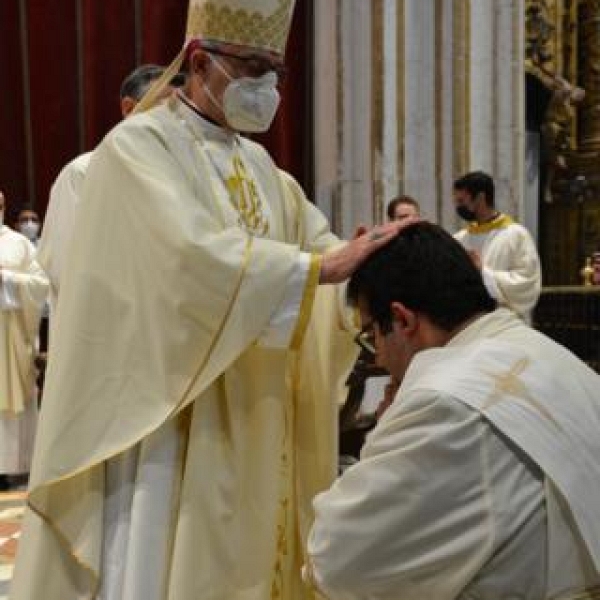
200 126
488 325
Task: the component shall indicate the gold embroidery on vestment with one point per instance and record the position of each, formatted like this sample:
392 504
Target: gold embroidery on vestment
278 580
248 28
246 199
510 384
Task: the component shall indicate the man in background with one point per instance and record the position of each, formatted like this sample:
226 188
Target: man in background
402 207
501 249
28 223
482 479
23 290
66 190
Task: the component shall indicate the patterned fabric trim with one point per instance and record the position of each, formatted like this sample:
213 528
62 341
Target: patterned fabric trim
210 21
500 222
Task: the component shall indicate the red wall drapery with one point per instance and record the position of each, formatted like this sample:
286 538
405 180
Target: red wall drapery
13 152
62 64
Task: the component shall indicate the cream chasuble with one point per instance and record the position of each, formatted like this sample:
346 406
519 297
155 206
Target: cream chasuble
185 241
481 480
511 266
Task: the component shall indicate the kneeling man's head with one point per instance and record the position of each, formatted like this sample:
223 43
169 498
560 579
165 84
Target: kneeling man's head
416 293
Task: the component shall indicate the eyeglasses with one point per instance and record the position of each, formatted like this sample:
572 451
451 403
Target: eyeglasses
254 66
365 338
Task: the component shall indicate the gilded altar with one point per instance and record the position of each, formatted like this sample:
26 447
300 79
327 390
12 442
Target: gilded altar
563 57
570 315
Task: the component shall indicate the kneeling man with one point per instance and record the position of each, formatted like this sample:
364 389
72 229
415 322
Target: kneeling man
482 479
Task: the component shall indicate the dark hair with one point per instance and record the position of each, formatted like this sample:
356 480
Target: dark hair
403 199
136 84
475 183
27 206
428 271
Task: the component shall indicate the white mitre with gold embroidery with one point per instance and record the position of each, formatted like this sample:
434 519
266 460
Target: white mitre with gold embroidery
261 24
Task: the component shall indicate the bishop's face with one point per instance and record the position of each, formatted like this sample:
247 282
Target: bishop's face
215 69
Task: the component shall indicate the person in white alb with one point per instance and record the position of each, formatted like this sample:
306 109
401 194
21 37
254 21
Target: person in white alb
502 249
23 290
65 194
482 479
190 406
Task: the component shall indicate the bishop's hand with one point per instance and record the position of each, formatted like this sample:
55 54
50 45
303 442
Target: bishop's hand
339 264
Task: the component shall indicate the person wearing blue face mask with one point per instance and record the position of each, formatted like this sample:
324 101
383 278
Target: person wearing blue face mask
501 249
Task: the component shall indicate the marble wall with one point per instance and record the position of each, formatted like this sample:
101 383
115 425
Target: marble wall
409 94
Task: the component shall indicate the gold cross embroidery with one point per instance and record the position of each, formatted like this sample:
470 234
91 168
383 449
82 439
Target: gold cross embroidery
509 383
245 198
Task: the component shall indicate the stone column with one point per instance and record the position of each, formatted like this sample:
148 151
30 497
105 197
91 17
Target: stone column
531 194
497 126
482 101
445 101
326 114
355 192
509 164
343 113
359 112
391 72
419 104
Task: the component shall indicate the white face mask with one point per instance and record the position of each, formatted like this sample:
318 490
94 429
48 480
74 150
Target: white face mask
30 229
249 103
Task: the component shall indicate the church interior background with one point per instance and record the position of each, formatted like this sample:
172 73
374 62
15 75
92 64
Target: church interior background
382 97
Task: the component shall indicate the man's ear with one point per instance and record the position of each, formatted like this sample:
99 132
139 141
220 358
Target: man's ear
199 60
127 105
404 318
